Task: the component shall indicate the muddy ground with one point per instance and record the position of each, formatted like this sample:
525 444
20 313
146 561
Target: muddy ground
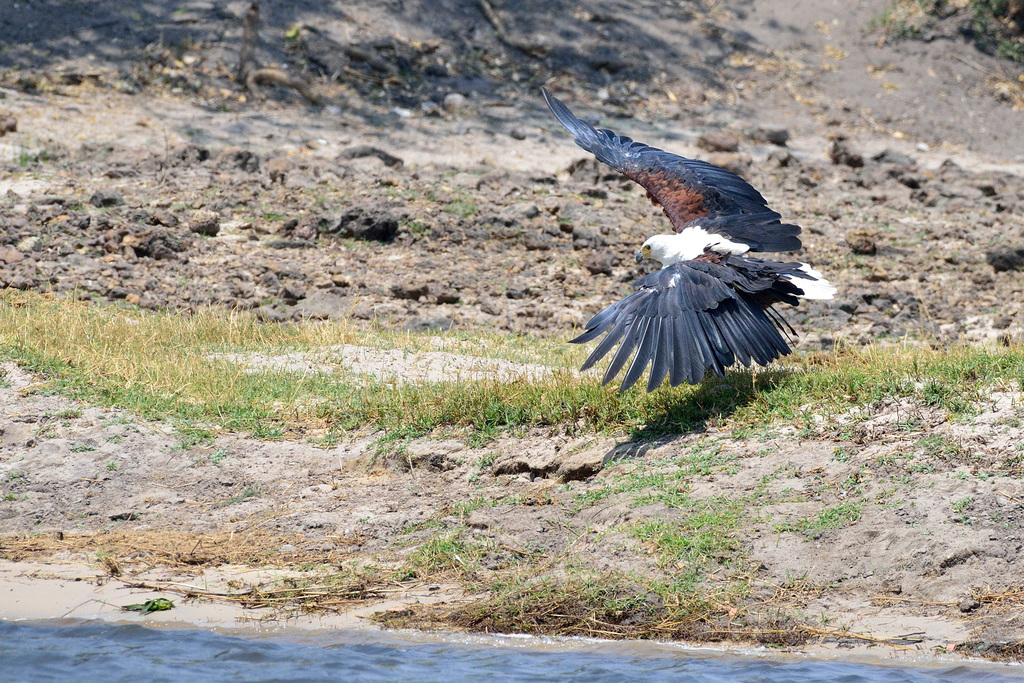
426 187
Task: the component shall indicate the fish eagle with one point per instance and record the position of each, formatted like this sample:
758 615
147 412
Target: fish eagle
711 303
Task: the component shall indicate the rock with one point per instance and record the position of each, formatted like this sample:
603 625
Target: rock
156 243
719 141
438 456
27 244
520 211
289 548
584 237
862 241
573 462
290 244
241 159
435 70
429 322
307 229
324 304
969 605
890 156
9 255
1006 258
454 101
368 223
517 291
598 263
205 222
292 291
776 135
782 158
8 124
841 154
446 295
164 218
407 290
105 198
278 168
534 241
189 155
369 151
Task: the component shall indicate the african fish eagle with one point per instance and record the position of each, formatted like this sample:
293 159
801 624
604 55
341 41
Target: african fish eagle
710 304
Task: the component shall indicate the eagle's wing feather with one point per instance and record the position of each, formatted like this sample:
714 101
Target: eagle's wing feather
688 190
689 318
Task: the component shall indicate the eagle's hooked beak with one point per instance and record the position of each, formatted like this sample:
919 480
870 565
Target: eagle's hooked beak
639 255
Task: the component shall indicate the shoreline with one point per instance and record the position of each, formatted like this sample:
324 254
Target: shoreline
48 592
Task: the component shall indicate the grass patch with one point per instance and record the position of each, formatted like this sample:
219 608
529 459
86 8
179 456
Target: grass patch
161 366
446 553
835 517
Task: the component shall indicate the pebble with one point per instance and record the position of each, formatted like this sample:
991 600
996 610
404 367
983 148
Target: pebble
862 241
104 198
205 223
719 141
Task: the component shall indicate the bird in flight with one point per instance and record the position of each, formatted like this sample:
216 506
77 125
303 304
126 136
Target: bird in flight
711 303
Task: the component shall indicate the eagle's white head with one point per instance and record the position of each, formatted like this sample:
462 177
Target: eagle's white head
687 245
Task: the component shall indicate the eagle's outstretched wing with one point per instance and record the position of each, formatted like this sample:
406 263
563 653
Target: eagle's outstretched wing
690 191
695 315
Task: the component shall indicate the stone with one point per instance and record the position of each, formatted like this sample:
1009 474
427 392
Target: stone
204 222
841 154
521 211
106 198
969 605
407 290
598 263
719 141
324 304
242 159
453 101
8 124
446 295
292 291
574 461
862 241
1006 258
424 323
783 158
30 243
776 135
584 237
890 156
9 255
377 224
534 241
156 243
517 291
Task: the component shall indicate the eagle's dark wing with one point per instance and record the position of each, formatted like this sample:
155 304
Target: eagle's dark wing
687 189
692 316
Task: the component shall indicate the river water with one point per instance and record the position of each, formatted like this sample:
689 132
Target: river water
99 651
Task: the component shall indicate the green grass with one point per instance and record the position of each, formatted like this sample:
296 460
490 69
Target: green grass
159 365
700 540
445 553
993 29
835 517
